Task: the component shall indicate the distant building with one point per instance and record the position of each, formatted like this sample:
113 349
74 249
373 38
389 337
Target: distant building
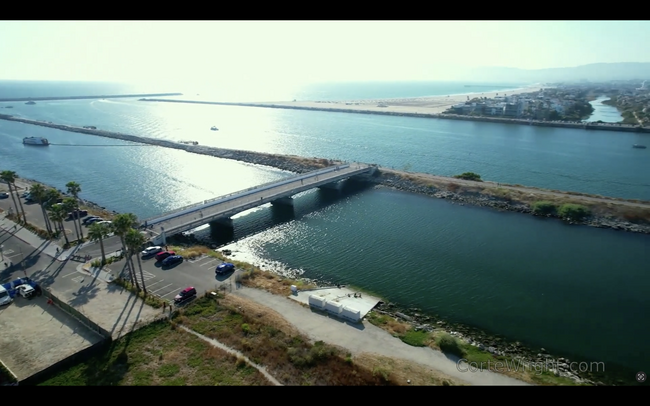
511 110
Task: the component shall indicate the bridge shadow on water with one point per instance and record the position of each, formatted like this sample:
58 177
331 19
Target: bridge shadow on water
262 219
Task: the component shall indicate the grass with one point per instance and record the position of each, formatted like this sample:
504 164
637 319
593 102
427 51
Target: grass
156 355
6 377
444 342
265 337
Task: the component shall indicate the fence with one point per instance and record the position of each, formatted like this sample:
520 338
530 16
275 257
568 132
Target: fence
77 315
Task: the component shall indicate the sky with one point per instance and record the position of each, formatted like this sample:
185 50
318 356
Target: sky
294 52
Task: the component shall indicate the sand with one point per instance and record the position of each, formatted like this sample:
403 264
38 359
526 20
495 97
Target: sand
417 105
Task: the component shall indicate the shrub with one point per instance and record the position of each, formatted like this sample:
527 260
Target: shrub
450 345
544 208
573 211
469 176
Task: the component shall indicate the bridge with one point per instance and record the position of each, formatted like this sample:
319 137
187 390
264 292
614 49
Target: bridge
220 209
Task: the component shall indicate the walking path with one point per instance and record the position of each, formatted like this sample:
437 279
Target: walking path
367 338
235 353
47 247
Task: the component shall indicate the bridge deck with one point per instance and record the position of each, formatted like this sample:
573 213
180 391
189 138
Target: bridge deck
193 216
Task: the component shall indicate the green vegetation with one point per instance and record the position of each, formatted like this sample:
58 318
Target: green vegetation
573 212
469 176
449 345
159 354
544 208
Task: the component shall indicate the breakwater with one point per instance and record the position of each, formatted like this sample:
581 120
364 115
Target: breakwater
500 120
113 96
395 179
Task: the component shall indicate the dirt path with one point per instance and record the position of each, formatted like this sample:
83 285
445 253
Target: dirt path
527 190
367 339
235 353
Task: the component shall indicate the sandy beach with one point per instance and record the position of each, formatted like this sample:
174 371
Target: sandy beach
417 105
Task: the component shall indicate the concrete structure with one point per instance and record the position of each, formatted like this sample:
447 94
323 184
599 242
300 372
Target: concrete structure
36 335
220 209
341 302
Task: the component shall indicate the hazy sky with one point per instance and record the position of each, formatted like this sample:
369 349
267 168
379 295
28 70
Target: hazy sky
294 51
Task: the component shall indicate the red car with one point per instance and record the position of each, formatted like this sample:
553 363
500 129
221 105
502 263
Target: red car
162 255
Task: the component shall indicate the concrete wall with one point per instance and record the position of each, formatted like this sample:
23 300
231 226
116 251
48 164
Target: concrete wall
351 314
333 307
317 302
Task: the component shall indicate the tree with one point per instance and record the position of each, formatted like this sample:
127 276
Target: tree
97 232
122 223
135 241
57 215
69 205
37 192
74 189
10 178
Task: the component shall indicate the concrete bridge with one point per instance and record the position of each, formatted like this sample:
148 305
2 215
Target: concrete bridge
220 209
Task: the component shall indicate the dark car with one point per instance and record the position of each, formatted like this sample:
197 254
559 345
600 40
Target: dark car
75 214
4 195
225 268
87 220
172 260
162 255
185 294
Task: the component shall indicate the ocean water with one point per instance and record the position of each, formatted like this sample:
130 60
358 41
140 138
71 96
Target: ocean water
572 290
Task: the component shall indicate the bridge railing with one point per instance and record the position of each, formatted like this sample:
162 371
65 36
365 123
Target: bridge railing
243 192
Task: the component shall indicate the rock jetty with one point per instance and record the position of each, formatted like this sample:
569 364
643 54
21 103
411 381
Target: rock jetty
296 164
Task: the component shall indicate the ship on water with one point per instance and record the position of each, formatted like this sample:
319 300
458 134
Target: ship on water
36 141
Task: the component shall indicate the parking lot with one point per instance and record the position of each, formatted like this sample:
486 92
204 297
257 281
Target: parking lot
168 282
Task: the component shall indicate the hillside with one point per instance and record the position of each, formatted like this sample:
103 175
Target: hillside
593 72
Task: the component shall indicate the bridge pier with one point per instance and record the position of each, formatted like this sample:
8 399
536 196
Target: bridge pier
222 229
332 186
283 201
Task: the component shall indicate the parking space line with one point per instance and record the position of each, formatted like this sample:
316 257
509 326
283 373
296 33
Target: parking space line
5 252
78 279
11 256
208 263
154 292
70 274
167 294
153 284
201 258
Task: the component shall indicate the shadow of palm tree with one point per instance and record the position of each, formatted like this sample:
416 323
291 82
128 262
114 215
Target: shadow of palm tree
83 295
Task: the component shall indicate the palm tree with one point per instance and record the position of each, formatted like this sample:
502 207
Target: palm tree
37 191
135 240
74 189
69 205
122 223
97 232
10 178
57 214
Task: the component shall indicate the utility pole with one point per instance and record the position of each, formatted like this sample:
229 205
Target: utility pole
22 261
2 255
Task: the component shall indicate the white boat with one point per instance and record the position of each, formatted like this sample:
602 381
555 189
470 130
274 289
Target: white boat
36 141
214 128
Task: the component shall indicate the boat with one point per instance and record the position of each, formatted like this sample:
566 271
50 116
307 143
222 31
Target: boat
638 146
31 102
36 141
213 128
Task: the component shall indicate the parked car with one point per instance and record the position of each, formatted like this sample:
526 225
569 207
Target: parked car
108 223
87 220
162 255
5 299
185 295
4 195
151 251
75 214
225 268
26 195
172 260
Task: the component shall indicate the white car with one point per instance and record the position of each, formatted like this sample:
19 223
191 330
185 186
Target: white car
5 299
108 223
151 251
